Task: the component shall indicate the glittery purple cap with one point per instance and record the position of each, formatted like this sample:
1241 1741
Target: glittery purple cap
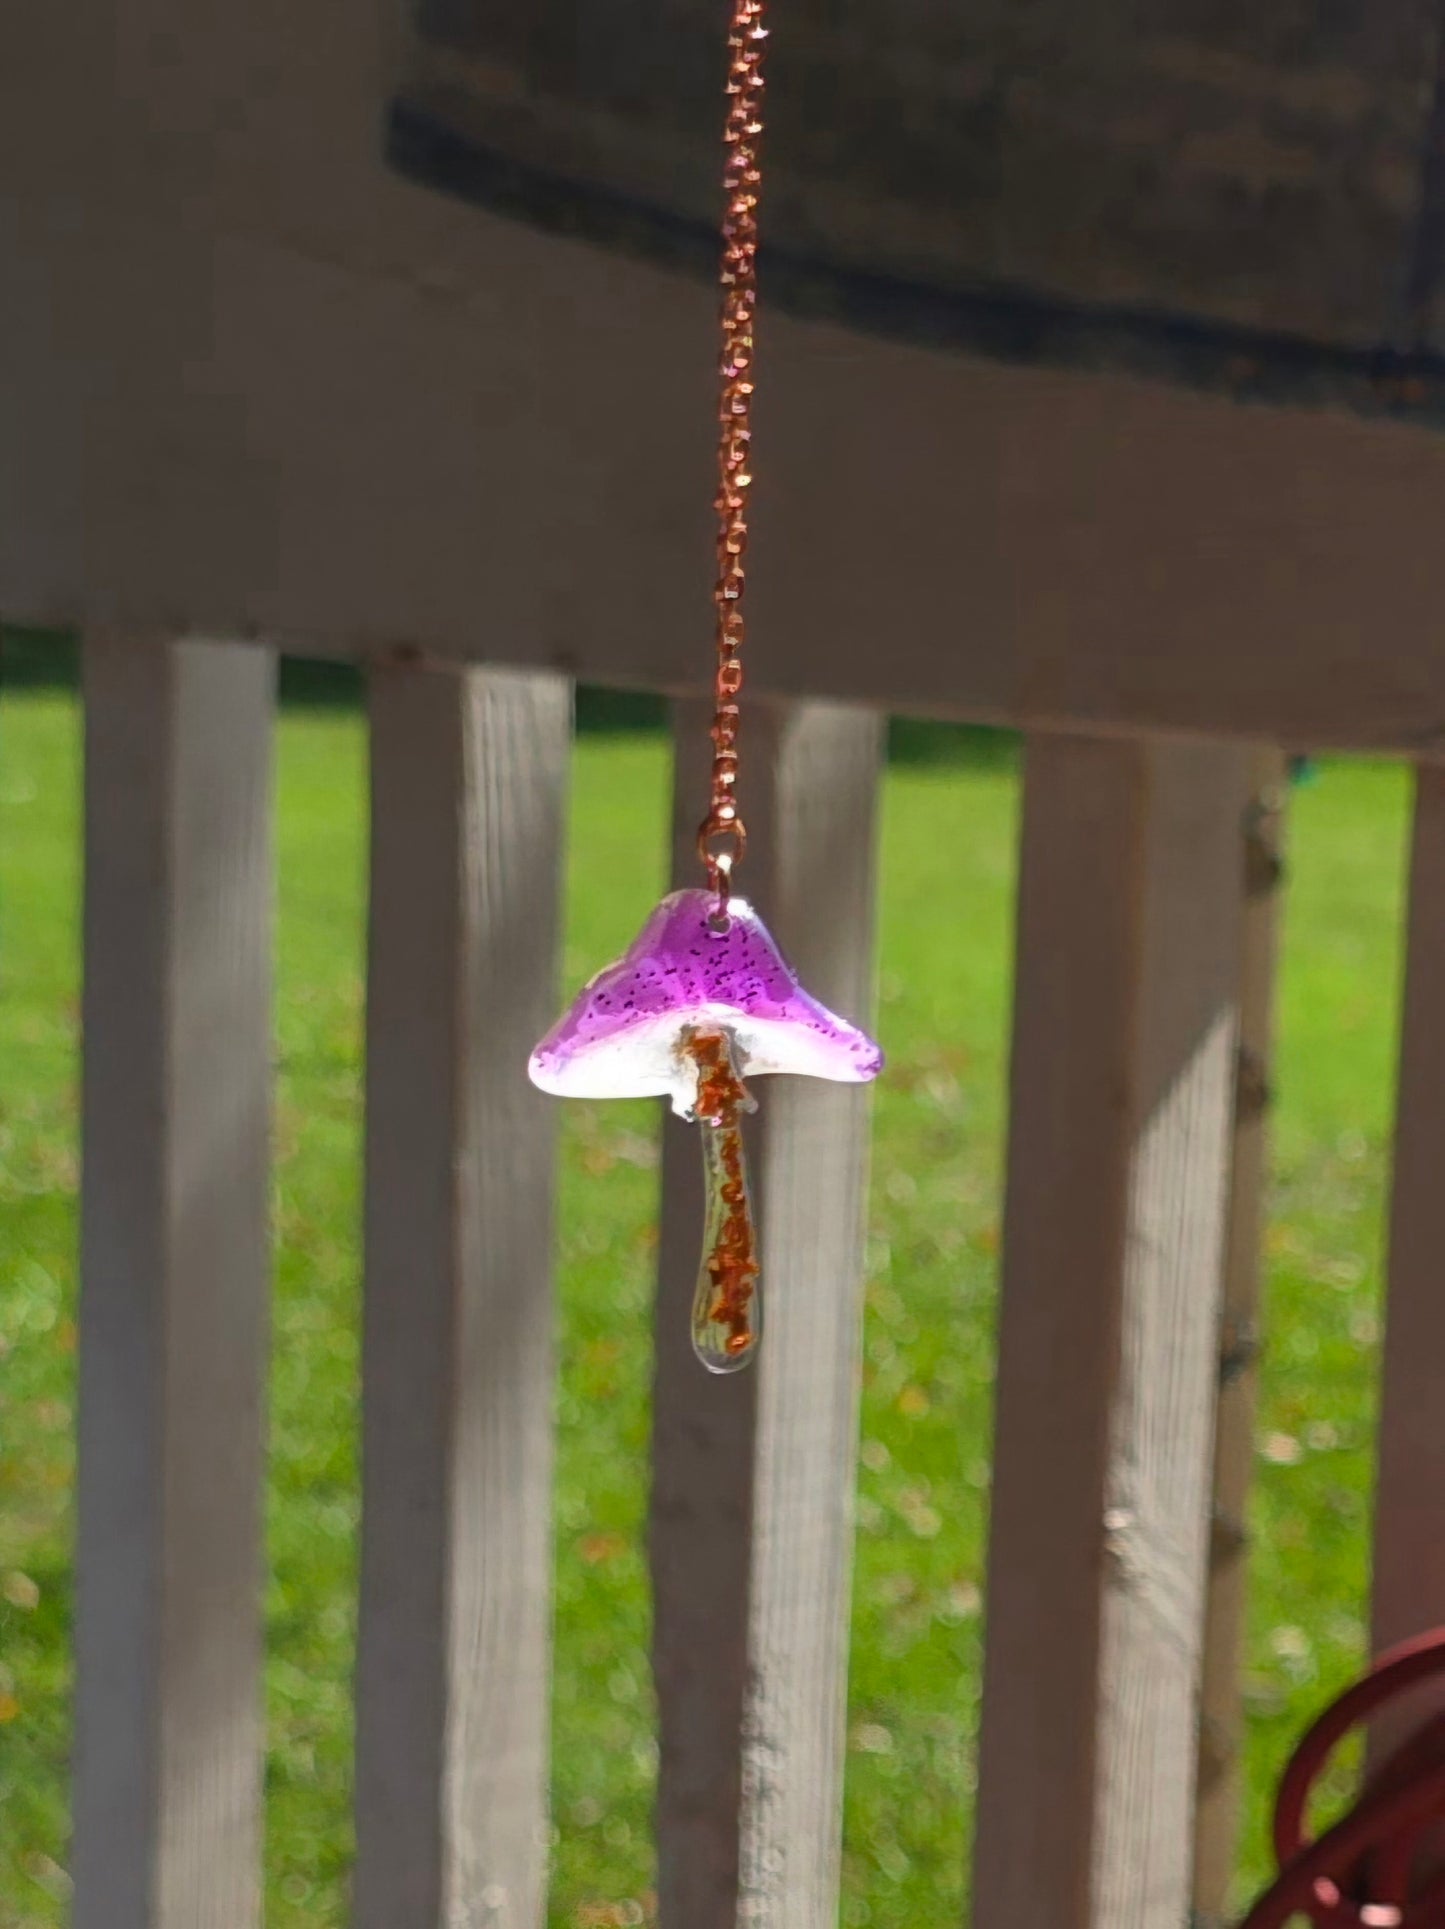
621 1036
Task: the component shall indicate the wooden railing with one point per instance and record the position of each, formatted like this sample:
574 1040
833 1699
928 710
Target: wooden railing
1139 1084
254 385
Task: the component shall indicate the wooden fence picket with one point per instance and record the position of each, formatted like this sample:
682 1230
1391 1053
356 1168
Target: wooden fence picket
1409 1525
1122 1095
453 1713
753 1475
175 1261
1221 1741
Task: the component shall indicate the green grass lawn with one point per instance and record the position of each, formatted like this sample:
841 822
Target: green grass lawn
948 859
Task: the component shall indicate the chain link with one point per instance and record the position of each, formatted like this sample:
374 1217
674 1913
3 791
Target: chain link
722 836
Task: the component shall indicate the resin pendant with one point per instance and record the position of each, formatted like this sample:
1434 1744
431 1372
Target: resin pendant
701 1001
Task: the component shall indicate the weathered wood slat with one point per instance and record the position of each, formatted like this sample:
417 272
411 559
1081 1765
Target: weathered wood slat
468 780
174 1276
816 1180
753 1475
1122 1089
1216 1829
1409 1547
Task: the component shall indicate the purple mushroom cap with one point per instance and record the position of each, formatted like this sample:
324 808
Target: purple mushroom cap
622 1036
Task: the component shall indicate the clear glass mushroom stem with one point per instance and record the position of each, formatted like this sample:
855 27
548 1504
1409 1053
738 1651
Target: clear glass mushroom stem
726 1309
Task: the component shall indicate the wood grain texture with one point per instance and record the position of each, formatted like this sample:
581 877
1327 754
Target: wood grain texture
751 1528
1122 1086
299 368
1221 1739
453 1710
1409 1546
175 1261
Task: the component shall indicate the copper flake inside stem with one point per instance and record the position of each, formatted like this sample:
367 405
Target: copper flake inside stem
725 1322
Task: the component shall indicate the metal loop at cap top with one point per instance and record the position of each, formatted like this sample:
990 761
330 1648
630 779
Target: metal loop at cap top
722 855
721 863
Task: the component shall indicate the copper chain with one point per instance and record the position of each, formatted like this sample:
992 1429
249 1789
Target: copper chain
722 835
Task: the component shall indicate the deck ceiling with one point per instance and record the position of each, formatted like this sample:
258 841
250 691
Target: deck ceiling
257 376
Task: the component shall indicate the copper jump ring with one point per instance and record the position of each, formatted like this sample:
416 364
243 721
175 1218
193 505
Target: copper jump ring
721 843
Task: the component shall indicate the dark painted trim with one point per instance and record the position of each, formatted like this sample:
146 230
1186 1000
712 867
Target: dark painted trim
1005 324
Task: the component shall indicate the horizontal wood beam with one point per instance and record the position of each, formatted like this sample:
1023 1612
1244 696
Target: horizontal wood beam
340 412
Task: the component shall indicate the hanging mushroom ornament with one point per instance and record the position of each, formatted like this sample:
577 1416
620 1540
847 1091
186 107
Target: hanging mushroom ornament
704 999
